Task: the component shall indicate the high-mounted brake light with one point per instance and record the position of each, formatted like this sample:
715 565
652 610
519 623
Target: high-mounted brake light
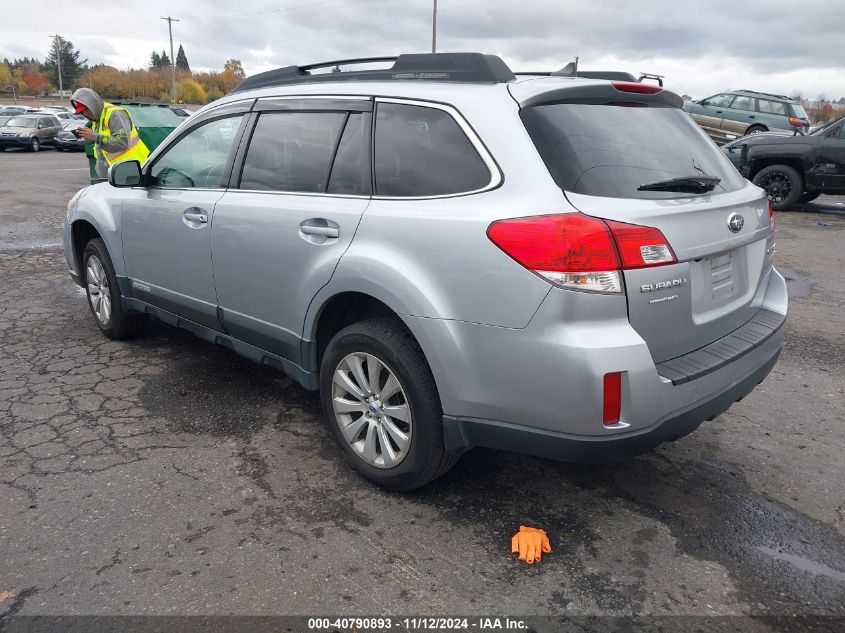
633 86
579 252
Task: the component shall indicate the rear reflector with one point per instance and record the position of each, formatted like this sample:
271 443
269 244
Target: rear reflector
612 398
579 252
633 86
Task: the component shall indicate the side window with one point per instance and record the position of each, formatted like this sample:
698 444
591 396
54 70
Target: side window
720 101
292 151
351 169
771 107
421 151
45 122
743 103
198 159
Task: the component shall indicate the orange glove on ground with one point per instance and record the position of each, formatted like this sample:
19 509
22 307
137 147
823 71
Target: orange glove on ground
530 543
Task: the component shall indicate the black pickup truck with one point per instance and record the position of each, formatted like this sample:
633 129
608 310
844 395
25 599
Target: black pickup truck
793 168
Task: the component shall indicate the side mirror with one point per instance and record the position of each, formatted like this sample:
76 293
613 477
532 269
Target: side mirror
125 174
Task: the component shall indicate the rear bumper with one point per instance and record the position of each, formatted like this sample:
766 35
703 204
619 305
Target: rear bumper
461 433
539 389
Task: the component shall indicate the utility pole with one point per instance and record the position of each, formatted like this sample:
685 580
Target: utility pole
170 22
434 28
58 45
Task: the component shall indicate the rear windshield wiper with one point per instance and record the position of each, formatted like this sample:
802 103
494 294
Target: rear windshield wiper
685 184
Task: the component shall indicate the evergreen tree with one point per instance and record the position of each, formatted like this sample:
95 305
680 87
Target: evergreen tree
165 60
182 59
72 65
155 60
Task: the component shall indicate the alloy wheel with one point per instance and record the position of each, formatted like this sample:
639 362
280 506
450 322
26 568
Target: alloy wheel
777 186
372 410
98 290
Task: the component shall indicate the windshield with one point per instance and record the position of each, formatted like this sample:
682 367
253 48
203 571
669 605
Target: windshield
73 125
823 128
612 151
3 119
22 121
799 111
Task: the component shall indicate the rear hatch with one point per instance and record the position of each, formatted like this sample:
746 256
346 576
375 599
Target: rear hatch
601 150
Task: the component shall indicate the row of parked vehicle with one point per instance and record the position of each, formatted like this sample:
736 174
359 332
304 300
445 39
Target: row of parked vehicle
769 140
31 128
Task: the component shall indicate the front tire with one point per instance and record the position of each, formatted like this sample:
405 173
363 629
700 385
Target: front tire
782 183
104 297
34 145
381 402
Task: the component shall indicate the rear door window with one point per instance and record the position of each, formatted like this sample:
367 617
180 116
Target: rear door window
292 151
610 150
744 103
771 107
351 169
422 151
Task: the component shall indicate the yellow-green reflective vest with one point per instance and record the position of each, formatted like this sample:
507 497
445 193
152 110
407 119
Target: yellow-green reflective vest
136 150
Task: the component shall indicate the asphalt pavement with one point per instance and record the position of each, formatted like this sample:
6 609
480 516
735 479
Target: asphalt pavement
165 475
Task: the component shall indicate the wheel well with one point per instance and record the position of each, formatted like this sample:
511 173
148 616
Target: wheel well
82 232
342 310
761 163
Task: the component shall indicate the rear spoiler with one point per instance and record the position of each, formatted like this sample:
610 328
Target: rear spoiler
571 70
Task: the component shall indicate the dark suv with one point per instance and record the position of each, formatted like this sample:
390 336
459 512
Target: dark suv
793 168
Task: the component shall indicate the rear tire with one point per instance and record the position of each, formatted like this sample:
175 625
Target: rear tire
362 423
782 183
104 297
756 129
808 197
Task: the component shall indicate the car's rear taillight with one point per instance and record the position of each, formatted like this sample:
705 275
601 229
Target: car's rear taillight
771 218
580 252
796 122
641 246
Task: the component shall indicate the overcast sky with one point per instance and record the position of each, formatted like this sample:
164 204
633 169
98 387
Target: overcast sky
779 46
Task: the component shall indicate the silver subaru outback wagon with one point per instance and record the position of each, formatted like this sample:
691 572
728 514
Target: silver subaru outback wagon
454 256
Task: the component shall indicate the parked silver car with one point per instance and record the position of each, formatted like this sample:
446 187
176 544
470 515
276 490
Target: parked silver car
452 255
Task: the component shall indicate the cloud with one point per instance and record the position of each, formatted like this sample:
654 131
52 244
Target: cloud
701 47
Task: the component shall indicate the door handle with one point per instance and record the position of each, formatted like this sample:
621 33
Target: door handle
327 231
751 116
195 214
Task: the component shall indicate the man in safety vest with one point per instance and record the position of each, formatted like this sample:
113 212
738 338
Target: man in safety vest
115 137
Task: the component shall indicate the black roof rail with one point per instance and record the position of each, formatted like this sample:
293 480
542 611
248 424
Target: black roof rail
766 94
452 67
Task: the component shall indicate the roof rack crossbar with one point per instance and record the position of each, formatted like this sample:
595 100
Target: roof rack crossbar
349 62
449 67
